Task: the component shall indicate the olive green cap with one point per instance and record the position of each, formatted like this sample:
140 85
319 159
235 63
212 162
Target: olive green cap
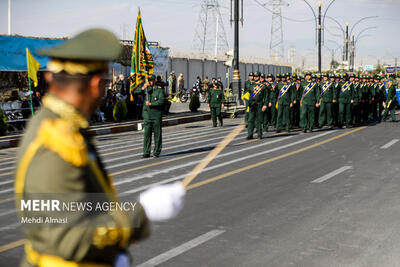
251 74
262 75
90 45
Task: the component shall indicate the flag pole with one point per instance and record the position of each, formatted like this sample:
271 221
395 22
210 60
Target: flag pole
30 94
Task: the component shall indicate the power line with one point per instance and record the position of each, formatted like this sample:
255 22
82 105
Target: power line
210 37
283 17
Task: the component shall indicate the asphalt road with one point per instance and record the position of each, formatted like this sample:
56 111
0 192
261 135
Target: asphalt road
327 198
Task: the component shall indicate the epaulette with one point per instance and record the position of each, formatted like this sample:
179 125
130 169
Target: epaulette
62 137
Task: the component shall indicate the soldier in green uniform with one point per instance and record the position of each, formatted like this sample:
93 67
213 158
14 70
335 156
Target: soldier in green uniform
256 96
357 105
296 101
391 102
346 99
308 102
369 92
247 85
371 98
336 79
215 103
57 158
327 97
273 96
284 104
382 95
267 92
152 116
376 98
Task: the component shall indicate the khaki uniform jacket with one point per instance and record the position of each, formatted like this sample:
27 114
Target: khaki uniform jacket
57 156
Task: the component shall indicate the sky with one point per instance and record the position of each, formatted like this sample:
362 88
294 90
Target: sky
173 22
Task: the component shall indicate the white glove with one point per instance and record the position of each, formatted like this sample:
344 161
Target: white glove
163 202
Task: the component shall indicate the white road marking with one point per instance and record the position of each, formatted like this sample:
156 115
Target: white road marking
6 182
6 190
181 249
194 162
139 143
394 141
7 168
241 159
168 148
8 212
10 227
331 174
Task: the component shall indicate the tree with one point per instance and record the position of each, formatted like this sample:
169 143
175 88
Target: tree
194 103
334 64
120 111
3 123
379 69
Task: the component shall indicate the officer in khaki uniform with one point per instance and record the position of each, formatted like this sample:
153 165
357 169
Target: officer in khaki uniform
152 116
215 103
57 157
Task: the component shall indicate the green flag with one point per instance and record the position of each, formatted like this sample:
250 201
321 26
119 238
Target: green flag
142 64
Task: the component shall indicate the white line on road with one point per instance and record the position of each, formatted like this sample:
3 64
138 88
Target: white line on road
138 143
167 148
10 227
181 249
241 159
394 141
194 162
6 190
8 212
331 174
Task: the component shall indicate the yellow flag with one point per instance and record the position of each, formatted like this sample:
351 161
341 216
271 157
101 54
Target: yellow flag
33 67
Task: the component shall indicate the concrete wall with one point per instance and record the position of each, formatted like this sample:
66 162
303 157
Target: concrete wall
191 68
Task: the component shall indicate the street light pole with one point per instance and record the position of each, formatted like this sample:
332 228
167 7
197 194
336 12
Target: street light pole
319 38
352 53
9 17
236 75
347 42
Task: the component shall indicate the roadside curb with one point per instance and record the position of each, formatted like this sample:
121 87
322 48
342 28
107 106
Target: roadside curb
135 126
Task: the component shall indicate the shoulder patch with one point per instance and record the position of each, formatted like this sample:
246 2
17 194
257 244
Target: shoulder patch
62 137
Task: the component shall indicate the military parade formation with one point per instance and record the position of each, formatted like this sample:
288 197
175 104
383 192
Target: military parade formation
316 101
